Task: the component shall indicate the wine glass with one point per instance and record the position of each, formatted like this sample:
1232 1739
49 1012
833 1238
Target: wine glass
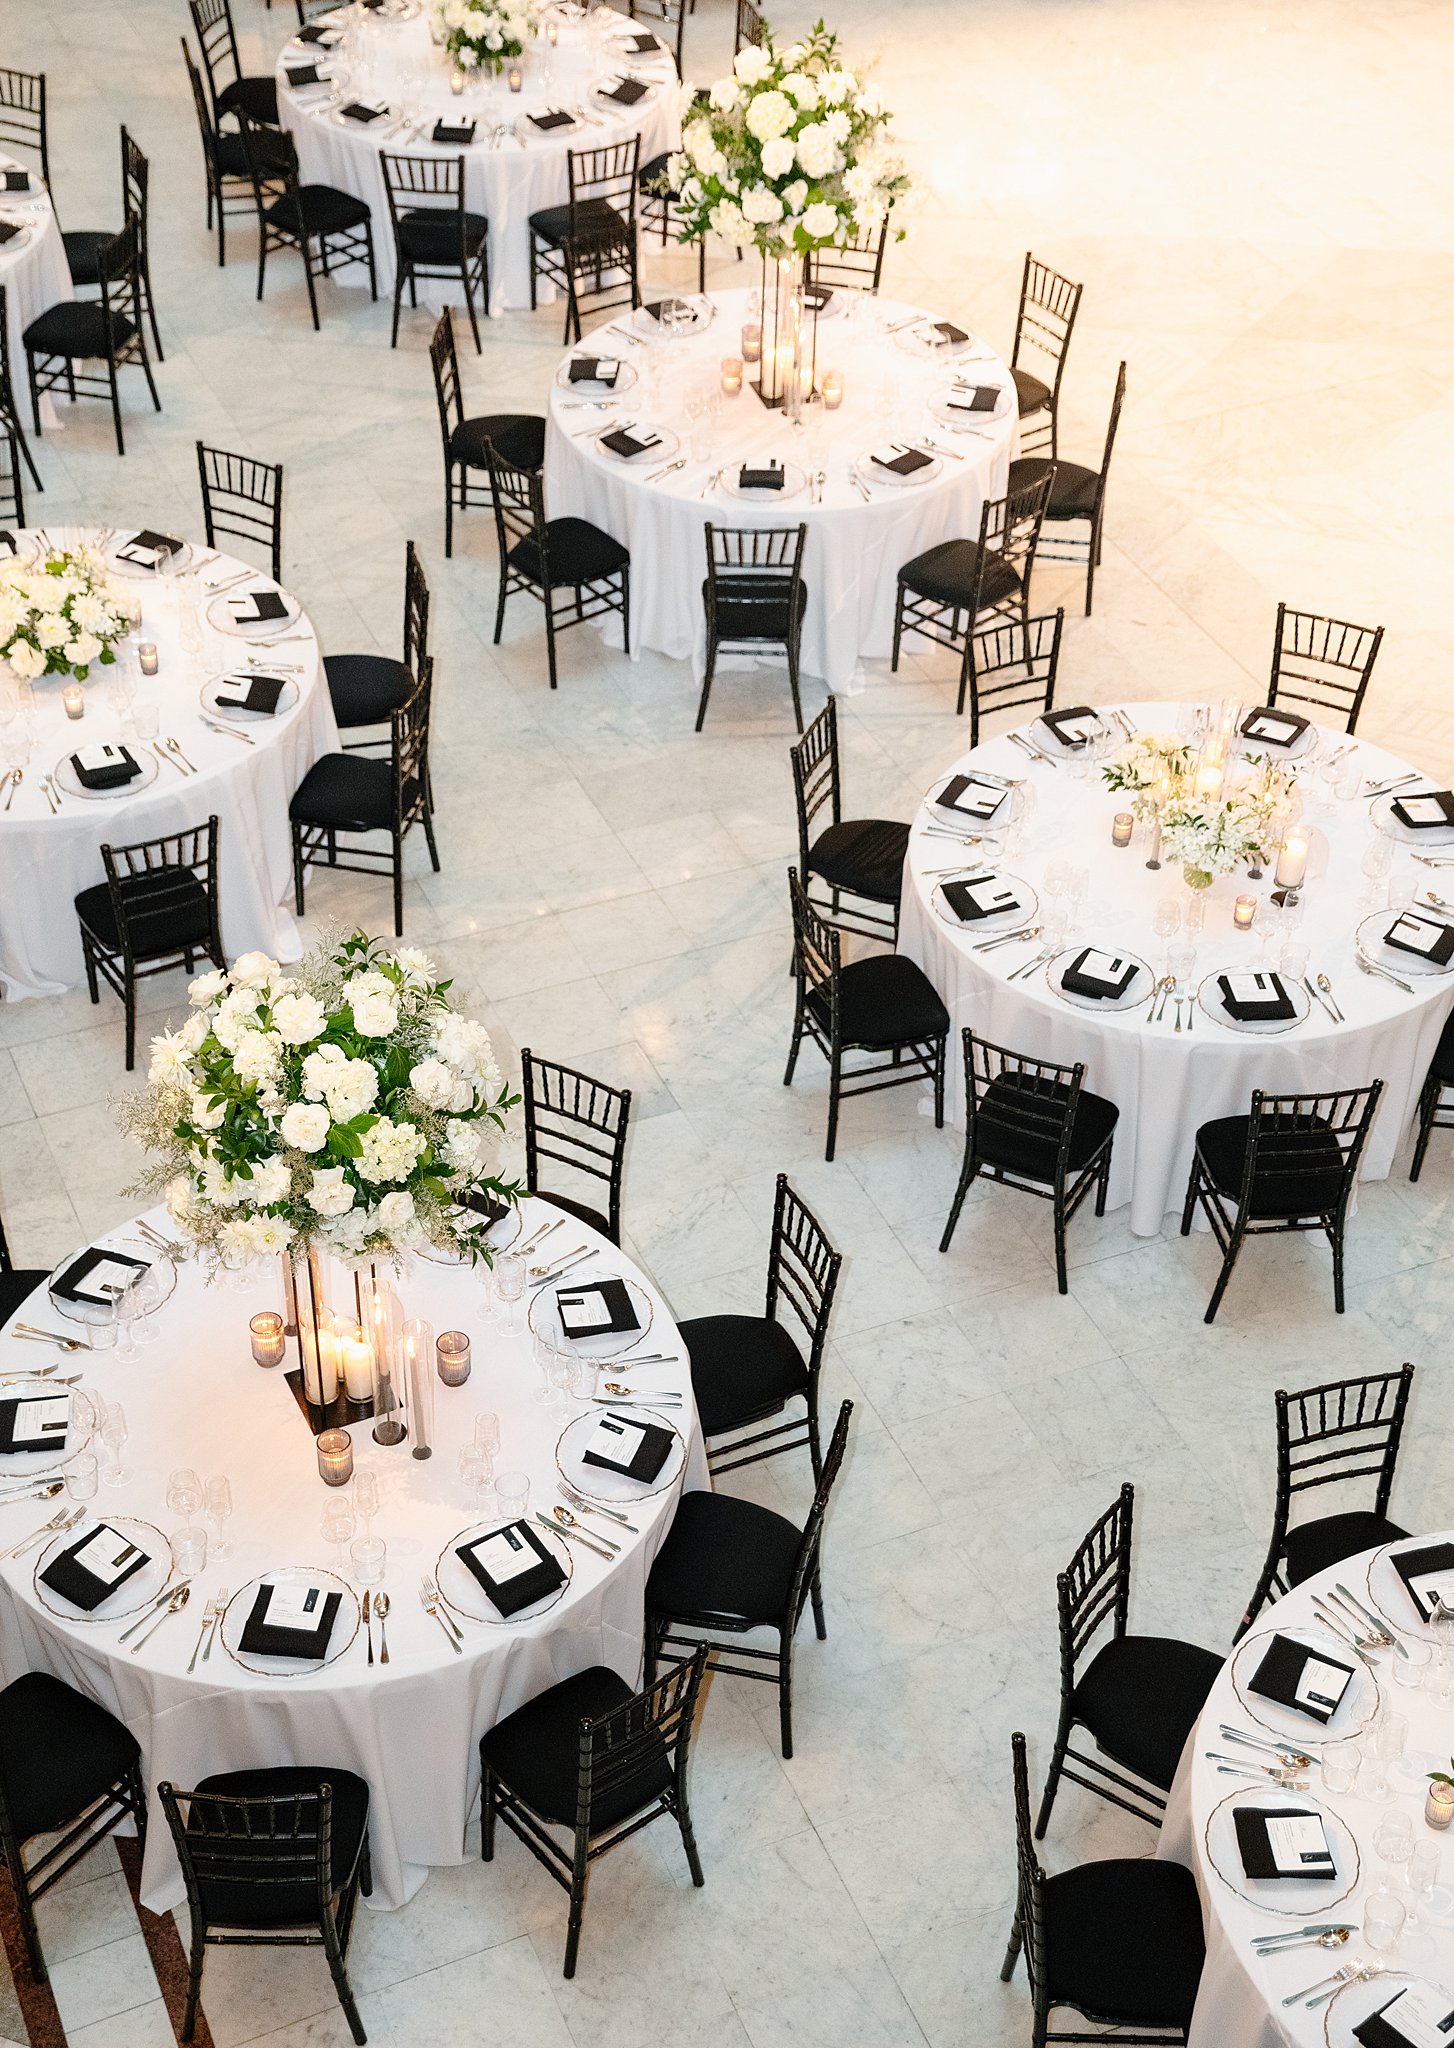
366 1498
1393 1842
1166 922
113 1435
338 1526
487 1431
126 1313
510 1280
1057 878
185 1493
218 1504
477 1469
149 1297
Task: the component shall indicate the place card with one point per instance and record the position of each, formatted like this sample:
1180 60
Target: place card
1282 1843
636 1449
1417 2016
643 42
1429 937
1424 813
1099 975
256 607
258 693
600 1309
300 75
1254 998
1301 1679
971 797
513 1566
659 308
35 1422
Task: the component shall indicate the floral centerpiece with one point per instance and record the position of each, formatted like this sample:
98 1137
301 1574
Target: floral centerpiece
481 35
60 614
346 1108
1209 823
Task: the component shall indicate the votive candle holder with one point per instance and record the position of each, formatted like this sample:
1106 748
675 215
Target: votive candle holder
266 1332
335 1457
452 1356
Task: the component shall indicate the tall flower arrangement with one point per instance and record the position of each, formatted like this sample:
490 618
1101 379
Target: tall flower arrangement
481 35
347 1107
60 614
792 153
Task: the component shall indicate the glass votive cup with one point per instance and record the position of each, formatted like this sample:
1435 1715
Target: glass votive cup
266 1332
752 341
1383 1922
512 1491
514 78
1439 1805
1411 1660
1340 1766
456 82
1244 911
369 1554
1122 826
147 658
831 387
83 1476
335 1457
74 699
732 373
189 1550
452 1355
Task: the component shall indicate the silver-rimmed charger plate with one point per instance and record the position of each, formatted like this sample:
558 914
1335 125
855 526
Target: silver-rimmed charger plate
794 483
1387 1593
170 565
594 387
544 1321
1369 940
1269 750
875 473
1137 992
1000 920
703 314
662 449
92 1312
1382 813
499 1235
614 1489
1209 998
963 821
463 1594
608 105
239 1607
70 784
21 1465
1355 1711
1357 2001
139 1590
951 415
1287 1897
222 621
235 714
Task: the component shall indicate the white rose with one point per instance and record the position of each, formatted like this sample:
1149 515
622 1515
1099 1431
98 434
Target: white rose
83 650
305 1124
26 660
726 94
179 1200
374 1002
769 114
438 1086
795 196
761 204
395 1214
299 1017
171 1063
798 86
51 630
752 65
254 970
330 1194
206 1114
817 151
777 157
272 1182
207 988
821 221
468 58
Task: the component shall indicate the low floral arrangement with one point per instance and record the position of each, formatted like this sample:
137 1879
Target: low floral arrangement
1210 834
60 614
346 1107
481 35
791 153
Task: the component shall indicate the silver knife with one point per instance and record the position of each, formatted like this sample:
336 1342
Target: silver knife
1318 993
574 1536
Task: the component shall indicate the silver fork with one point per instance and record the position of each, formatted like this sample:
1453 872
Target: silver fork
221 1605
428 1586
209 1615
62 1520
591 1507
1372 967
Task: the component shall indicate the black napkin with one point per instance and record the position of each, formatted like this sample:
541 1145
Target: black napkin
1255 1848
261 1639
644 42
8 231
623 442
459 132
1417 1564
607 1304
769 479
628 92
554 119
905 465
817 296
484 1205
1273 727
317 35
1440 938
1416 823
954 789
1103 985
303 74
262 694
966 905
1278 1675
266 606
112 775
590 369
56 1432
522 1589
357 111
17 181
659 308
8 541
1272 1005
157 543
1063 722
1385 2028
983 398
638 1460
67 1575
69 1286
948 332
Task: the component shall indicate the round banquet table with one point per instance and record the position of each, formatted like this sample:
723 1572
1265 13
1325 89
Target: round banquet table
892 379
47 858
33 269
411 1727
1166 1083
512 169
1241 1995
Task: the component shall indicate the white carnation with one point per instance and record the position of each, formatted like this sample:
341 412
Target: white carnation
752 65
171 1063
207 988
299 1017
762 204
777 157
51 630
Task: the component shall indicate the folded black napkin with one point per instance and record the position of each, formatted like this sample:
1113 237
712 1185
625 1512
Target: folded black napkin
1429 937
903 463
327 37
642 43
594 369
1415 2016
982 896
261 694
461 133
157 545
104 767
94 1567
9 542
357 111
1074 725
983 398
1308 1681
1273 727
1103 976
1255 998
266 606
17 181
637 1449
598 1308
1273 1845
1425 813
8 232
287 1636
35 1422
1433 1560
659 308
627 92
86 1277
758 479
554 119
624 442
303 74
513 1566
480 1204
984 798
816 296
948 333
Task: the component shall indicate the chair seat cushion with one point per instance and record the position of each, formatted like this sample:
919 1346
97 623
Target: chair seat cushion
256 97
596 221
59 1751
536 1751
1123 1941
519 439
245 1905
1441 1066
946 575
16 1287
724 1559
1313 1188
1002 1139
317 210
431 235
166 910
596 1219
82 247
742 1367
365 688
579 553
885 1001
273 155
1314 1546
349 793
75 328
865 855
1032 392
1073 493
1140 1695
756 607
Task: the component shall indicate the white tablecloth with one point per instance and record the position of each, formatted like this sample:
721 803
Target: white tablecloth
854 550
35 274
1241 1995
1166 1084
412 1728
46 860
394 63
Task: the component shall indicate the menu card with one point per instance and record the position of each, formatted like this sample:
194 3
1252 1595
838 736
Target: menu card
1304 1680
291 1621
34 1422
1425 812
98 1276
94 1567
1100 975
637 1449
1428 1575
973 798
1282 1843
1417 2016
1429 937
981 896
598 1310
513 1566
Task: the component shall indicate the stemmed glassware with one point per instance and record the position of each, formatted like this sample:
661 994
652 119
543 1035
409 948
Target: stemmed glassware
113 1435
510 1282
219 1507
338 1524
185 1493
366 1498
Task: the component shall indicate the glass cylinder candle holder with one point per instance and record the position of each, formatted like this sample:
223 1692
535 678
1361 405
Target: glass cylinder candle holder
452 1355
1122 826
266 1331
832 390
1292 861
1439 1804
514 78
74 699
1244 910
752 341
335 1457
732 375
358 1367
417 1360
147 659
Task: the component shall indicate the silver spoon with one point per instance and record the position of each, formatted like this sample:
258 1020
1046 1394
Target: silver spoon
52 1337
175 1605
1327 987
569 1521
381 1616
17 776
1334 1938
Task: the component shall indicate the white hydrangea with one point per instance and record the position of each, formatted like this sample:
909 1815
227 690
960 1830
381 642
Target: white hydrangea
388 1151
731 224
769 114
257 1056
331 1192
795 196
234 1016
816 150
761 204
777 157
348 1232
349 1087
463 1146
464 1043
820 220
752 65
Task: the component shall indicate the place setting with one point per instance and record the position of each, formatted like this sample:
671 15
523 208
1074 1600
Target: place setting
1262 1003
1101 979
291 1622
763 480
102 771
501 1573
262 612
1298 1688
96 1571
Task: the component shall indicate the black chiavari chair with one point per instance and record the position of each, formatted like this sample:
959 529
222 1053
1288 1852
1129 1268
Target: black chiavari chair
225 160
329 228
156 910
1323 662
668 16
855 857
106 330
754 597
366 689
1043 327
576 571
434 237
83 246
520 436
947 592
232 92
1077 495
750 28
589 243
242 498
857 265
17 1283
1010 665
1436 1103
23 122
579 1124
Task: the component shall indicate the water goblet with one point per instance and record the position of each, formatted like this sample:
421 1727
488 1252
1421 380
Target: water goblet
337 1523
510 1280
369 1555
1057 878
185 1493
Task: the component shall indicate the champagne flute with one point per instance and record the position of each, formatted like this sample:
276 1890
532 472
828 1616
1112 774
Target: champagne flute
366 1498
338 1524
113 1435
185 1493
219 1508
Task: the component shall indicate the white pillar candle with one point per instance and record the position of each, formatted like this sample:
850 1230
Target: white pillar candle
358 1369
1292 861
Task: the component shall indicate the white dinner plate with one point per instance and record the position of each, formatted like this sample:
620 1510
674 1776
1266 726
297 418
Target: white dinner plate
615 1489
19 1465
69 783
662 449
702 312
463 1594
139 1590
1381 812
544 1320
961 821
1138 991
1369 940
592 387
795 482
170 565
1209 996
920 340
1287 1897
1387 1593
234 714
90 1312
1001 920
221 619
874 473
1355 1711
961 416
346 1623
1353 2003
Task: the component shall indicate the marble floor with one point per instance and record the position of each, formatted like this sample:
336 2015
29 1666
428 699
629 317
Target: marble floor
1258 198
